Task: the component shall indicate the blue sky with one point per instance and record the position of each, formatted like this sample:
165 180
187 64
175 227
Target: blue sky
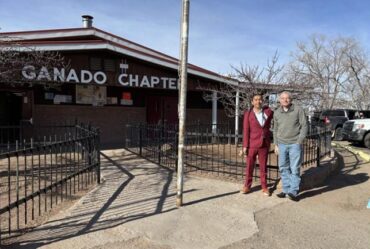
222 32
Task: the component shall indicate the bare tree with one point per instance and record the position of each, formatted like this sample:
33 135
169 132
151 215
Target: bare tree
359 88
15 55
248 81
335 70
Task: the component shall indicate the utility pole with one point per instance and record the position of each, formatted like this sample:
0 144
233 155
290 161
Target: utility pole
182 98
237 104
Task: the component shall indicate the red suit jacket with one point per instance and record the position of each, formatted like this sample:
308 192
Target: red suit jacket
255 135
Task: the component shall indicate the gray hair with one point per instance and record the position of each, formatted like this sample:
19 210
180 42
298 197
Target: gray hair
287 93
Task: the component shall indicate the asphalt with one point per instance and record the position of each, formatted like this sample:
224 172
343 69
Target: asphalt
332 215
362 152
134 207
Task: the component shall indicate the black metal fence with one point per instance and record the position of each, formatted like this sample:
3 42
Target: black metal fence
214 150
42 166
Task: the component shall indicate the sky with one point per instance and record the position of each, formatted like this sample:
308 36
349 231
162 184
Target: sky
222 33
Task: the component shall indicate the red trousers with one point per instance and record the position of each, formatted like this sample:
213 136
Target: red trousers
251 161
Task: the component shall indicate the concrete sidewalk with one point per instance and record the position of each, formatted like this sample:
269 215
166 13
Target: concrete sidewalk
134 207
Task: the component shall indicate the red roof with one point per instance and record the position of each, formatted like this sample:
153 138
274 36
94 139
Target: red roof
68 37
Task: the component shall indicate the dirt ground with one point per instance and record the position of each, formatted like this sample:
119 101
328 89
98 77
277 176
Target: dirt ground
22 175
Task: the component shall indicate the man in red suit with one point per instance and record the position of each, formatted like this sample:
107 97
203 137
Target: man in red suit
256 141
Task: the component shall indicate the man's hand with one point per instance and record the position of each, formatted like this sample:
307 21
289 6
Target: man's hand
276 150
245 151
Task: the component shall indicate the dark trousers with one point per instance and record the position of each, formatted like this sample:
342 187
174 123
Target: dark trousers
251 161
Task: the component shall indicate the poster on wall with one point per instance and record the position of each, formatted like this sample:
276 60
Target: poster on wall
93 95
112 101
59 98
84 94
49 96
99 96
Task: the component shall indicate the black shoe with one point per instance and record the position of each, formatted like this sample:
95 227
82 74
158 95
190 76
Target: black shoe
281 195
293 197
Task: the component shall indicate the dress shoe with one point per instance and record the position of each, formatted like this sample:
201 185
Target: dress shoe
266 191
245 190
281 195
293 197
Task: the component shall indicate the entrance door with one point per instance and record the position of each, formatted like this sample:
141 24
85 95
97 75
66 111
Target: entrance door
10 108
161 109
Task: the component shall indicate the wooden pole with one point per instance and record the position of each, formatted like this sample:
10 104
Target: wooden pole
182 99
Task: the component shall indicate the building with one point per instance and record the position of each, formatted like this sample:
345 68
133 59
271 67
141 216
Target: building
109 81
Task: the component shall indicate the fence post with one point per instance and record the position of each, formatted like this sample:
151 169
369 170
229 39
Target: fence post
161 128
98 154
318 149
140 140
89 154
126 136
228 132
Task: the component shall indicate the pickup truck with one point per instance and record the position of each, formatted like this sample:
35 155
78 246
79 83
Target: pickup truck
336 118
358 131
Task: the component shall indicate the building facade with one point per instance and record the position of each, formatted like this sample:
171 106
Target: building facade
107 80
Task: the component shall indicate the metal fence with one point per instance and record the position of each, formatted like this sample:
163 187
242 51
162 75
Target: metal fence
214 150
42 166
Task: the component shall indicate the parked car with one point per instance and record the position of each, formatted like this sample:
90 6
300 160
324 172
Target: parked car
358 131
336 118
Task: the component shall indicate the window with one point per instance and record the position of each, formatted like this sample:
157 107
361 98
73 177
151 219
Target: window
335 113
109 65
95 64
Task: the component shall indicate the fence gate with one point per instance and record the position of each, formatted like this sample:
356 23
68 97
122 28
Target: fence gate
41 167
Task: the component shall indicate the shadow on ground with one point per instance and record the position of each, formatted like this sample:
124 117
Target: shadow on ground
348 162
126 194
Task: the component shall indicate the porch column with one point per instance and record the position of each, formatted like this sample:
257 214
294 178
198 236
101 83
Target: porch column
214 112
236 116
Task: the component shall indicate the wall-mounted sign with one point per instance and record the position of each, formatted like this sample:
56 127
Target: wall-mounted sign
29 72
60 98
126 98
90 94
49 96
112 101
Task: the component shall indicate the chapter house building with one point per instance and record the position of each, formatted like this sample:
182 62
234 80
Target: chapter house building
109 82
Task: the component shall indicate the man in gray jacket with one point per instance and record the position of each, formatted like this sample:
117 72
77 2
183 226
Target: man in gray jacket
290 130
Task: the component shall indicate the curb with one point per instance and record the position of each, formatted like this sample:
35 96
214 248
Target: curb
363 155
316 176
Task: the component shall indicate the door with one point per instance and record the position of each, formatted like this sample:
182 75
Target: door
10 108
161 109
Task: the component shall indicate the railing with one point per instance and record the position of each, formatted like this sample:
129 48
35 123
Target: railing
214 151
40 171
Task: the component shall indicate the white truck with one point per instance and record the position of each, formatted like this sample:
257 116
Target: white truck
357 130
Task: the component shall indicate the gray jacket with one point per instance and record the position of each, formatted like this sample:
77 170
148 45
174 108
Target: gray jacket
290 127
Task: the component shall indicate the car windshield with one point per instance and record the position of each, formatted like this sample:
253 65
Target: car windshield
362 114
352 114
335 113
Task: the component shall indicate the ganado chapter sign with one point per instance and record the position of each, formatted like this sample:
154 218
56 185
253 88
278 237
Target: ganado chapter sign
29 72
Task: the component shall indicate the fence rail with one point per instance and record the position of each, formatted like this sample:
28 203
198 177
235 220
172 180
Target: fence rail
48 165
214 151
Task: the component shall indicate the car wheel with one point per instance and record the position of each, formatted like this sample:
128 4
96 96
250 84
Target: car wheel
367 140
338 135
